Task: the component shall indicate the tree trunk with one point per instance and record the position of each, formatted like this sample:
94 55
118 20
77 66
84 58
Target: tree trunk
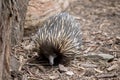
12 15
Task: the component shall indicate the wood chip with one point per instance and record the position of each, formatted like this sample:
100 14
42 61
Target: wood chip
87 65
53 77
97 70
115 66
107 75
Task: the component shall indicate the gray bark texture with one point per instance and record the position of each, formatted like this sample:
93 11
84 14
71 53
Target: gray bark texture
12 15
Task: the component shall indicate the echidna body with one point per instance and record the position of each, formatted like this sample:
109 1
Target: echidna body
59 36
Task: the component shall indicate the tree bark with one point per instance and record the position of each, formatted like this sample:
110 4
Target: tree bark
12 15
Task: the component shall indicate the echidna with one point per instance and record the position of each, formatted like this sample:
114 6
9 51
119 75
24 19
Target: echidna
59 36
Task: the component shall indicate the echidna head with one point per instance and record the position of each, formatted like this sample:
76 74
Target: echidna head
51 54
54 58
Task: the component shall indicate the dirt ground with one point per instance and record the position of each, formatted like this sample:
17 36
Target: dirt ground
100 21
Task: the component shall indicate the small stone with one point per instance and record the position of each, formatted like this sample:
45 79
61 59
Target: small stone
106 56
62 68
100 55
69 73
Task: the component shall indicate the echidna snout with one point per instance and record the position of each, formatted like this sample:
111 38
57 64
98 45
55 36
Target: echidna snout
51 59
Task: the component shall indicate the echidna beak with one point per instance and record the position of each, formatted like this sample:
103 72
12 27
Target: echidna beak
51 59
